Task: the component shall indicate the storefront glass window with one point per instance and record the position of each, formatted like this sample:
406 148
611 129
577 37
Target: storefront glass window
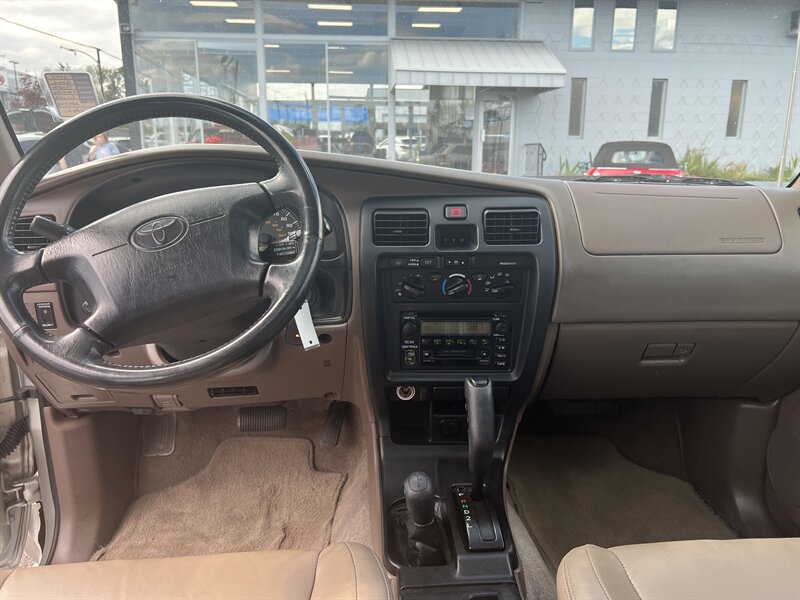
497 20
434 125
197 16
325 18
328 97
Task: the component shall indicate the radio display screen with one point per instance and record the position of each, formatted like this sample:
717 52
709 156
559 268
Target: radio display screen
455 328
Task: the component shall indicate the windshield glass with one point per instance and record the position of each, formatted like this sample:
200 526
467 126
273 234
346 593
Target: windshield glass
552 88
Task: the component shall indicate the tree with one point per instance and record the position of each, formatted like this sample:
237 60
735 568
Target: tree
113 81
30 93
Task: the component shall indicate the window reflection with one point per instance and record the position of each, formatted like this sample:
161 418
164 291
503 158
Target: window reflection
328 97
327 18
666 19
582 24
157 15
624 33
457 19
434 125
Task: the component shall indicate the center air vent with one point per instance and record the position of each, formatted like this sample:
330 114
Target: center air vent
400 228
511 227
24 239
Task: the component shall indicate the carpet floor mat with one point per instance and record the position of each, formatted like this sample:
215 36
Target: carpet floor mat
576 490
256 493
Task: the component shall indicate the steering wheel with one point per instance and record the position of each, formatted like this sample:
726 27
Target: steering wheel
160 262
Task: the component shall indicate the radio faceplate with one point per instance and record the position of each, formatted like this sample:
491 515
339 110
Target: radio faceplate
441 341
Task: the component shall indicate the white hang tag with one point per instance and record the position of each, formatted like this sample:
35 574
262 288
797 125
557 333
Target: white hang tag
305 327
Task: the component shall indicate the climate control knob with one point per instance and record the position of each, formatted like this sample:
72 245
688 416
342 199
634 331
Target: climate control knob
501 286
457 286
412 287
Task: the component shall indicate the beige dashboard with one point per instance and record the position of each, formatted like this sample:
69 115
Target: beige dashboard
679 291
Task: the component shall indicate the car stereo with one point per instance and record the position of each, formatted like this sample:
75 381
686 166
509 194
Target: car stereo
481 341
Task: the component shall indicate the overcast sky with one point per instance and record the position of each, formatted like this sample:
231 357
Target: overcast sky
92 22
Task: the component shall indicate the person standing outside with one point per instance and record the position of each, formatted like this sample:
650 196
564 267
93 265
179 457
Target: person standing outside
102 147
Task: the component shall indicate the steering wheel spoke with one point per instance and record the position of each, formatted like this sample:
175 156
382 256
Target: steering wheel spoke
21 271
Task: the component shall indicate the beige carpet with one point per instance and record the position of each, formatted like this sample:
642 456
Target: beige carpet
199 433
256 493
575 490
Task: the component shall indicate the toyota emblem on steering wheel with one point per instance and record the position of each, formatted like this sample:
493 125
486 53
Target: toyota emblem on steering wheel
160 233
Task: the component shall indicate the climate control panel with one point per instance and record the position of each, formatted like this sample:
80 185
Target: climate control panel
455 279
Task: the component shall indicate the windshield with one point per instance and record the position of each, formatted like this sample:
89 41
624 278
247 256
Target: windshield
675 88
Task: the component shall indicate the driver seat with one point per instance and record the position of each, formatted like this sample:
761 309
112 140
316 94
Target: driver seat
342 571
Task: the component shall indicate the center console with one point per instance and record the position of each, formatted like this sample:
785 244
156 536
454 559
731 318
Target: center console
456 297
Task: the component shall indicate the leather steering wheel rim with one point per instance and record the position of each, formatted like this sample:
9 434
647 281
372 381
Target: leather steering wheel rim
199 220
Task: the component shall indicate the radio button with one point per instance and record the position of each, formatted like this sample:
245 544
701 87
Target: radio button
485 341
438 341
500 340
461 341
473 341
409 329
427 354
500 348
449 342
455 262
484 353
426 341
410 357
502 328
501 364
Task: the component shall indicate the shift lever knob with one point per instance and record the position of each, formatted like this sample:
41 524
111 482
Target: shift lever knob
420 499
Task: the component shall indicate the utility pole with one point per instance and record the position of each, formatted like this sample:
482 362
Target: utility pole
100 76
16 81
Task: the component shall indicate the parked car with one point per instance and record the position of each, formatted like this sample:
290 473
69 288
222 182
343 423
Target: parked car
635 158
455 156
404 147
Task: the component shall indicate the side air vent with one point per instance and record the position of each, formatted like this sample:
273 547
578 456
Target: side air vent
229 392
400 228
511 227
24 239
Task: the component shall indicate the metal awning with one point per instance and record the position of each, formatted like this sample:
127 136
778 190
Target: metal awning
476 62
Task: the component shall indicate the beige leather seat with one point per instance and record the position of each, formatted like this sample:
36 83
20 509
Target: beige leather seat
692 570
340 572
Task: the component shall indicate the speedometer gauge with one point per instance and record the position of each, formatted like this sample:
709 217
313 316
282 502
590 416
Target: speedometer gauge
278 236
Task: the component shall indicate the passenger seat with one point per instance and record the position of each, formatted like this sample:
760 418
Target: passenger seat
692 570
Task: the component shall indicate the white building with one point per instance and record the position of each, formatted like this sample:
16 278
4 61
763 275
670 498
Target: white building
481 85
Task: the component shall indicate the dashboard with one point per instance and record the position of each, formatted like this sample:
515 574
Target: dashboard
628 291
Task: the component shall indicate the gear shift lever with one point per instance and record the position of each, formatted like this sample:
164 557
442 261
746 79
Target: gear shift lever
425 540
475 511
480 417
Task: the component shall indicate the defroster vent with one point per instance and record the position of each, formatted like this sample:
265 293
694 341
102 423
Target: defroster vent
511 227
27 241
400 228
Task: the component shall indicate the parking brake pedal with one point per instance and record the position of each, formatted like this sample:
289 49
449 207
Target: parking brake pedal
337 411
158 434
254 419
